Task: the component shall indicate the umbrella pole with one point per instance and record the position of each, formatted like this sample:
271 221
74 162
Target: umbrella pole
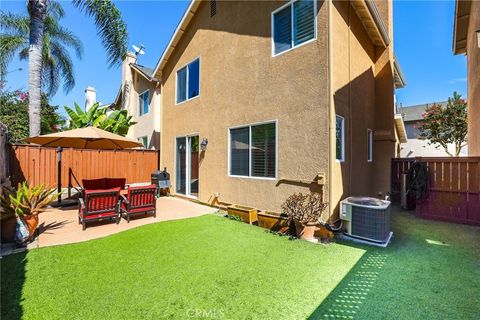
59 174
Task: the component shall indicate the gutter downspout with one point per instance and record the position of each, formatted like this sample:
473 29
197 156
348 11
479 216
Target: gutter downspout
331 113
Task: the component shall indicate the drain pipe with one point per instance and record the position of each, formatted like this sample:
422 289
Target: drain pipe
331 113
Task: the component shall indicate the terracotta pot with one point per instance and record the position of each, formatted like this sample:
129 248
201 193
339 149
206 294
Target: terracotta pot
8 229
31 223
305 232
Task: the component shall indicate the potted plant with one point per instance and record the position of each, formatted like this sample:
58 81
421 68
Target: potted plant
8 219
305 211
26 203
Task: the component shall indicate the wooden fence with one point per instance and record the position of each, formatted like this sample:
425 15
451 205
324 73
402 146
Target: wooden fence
454 188
38 165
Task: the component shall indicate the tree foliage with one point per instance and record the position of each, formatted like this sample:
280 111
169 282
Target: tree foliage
57 64
446 125
14 114
117 121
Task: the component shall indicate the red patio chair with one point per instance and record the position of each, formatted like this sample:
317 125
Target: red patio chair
139 200
99 205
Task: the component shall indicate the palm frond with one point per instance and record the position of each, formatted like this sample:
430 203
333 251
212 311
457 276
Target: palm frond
110 27
15 23
55 9
9 44
64 65
23 54
57 63
63 35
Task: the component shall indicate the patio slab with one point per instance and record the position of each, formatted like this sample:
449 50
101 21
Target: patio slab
60 225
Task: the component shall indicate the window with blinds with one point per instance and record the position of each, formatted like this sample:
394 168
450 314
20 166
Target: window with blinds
293 25
253 151
188 81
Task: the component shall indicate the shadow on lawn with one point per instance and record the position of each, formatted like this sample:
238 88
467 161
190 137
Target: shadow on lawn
345 301
12 279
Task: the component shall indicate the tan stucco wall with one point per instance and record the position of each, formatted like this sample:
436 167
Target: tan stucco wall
362 88
240 84
148 124
473 70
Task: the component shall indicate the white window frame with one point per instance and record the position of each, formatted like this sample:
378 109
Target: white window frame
187 168
176 80
140 110
342 159
369 145
272 31
250 150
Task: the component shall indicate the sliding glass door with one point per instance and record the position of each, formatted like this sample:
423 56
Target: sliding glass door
186 165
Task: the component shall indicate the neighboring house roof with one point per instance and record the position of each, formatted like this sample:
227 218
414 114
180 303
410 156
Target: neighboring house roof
415 113
421 148
144 71
460 28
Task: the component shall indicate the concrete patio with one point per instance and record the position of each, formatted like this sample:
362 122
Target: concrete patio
60 225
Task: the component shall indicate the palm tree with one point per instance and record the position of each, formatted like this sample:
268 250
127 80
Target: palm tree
110 27
57 65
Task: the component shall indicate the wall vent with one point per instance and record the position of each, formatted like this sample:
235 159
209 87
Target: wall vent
213 8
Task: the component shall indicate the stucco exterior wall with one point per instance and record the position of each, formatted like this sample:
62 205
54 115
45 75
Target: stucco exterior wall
384 136
240 84
353 89
148 124
473 70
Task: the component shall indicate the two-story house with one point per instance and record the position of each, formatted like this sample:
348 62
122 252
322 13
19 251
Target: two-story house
263 99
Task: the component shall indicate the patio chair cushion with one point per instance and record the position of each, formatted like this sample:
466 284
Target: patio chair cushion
115 183
94 184
103 183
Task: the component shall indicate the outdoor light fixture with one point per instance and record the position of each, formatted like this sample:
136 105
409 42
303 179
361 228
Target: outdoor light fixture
204 144
478 39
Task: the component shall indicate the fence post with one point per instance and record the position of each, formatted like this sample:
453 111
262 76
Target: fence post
59 174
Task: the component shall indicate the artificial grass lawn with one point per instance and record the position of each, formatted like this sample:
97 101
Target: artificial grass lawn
215 268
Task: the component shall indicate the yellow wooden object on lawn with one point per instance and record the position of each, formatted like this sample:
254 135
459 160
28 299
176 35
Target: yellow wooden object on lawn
247 214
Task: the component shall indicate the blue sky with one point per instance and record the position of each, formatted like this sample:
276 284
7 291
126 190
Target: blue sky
422 42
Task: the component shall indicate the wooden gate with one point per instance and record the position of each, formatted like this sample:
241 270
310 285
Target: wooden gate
454 188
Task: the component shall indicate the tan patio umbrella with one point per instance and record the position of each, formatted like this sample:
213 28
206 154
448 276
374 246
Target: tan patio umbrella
85 138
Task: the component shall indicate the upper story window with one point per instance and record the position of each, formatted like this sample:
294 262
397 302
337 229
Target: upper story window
340 138
293 25
143 103
369 145
253 151
188 81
